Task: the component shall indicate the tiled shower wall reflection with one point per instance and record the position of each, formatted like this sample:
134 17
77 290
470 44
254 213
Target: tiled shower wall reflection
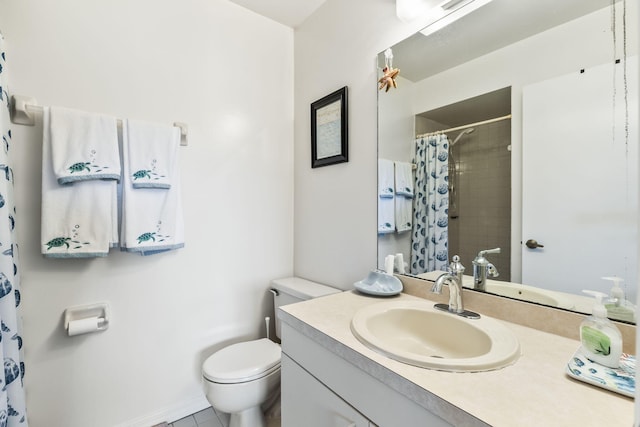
483 162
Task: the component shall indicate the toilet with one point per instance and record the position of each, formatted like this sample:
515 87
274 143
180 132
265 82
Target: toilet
239 378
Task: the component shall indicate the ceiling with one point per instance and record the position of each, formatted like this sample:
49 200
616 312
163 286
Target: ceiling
493 26
287 12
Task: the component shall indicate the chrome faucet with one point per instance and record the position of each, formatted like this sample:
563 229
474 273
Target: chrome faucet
453 279
482 269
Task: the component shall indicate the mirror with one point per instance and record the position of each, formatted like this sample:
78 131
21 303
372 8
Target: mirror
502 80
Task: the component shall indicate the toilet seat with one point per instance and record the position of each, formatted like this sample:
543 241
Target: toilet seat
242 362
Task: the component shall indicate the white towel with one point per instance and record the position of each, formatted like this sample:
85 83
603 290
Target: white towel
79 220
84 146
153 150
404 179
152 220
385 178
386 217
404 213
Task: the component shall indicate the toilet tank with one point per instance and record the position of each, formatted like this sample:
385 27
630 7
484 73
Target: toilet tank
290 290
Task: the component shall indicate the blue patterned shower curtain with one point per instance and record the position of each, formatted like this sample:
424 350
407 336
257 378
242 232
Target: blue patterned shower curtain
429 237
12 397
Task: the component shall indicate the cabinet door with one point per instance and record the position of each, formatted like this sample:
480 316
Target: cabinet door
307 402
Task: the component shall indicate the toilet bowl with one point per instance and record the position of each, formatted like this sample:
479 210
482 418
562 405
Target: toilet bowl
239 378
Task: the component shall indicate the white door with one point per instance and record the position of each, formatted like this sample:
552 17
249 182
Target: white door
579 181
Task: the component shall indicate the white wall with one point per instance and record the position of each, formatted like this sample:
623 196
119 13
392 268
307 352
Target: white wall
228 74
335 206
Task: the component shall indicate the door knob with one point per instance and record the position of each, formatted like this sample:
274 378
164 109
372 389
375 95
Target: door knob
532 244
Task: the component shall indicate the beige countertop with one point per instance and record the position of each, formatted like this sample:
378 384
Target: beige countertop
535 391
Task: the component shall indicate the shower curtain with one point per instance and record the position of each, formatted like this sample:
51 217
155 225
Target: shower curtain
429 237
12 397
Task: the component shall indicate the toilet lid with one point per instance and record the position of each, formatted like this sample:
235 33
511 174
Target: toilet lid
242 362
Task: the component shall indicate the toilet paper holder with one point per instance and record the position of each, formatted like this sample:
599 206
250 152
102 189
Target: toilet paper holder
99 311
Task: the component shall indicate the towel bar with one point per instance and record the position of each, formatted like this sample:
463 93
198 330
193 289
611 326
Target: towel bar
23 107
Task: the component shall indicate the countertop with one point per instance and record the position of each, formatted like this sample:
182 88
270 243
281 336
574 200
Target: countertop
535 391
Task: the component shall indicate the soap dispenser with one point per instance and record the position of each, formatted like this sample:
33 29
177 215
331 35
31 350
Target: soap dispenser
601 339
617 306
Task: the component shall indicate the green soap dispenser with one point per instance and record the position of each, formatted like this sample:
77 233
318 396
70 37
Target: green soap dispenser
601 339
618 307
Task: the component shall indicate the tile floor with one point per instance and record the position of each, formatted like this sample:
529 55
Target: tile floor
210 418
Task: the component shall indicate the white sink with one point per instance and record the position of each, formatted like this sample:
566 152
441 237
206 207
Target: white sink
529 293
415 333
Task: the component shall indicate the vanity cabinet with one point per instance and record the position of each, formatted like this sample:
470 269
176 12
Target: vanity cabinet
321 389
311 404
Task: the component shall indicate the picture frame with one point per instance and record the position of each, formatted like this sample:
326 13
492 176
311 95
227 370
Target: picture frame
329 129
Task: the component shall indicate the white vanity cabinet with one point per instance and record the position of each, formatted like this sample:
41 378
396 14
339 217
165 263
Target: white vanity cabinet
321 389
309 403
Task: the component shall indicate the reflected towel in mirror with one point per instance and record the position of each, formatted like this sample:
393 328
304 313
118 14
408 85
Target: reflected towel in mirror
403 179
385 178
386 215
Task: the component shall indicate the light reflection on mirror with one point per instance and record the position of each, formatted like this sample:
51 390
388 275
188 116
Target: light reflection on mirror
479 68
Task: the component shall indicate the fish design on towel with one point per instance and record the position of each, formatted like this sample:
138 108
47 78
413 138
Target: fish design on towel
86 166
150 175
145 237
60 241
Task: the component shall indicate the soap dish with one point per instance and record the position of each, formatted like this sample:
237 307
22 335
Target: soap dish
620 380
380 284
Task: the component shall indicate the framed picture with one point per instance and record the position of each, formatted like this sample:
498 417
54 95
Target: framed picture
329 142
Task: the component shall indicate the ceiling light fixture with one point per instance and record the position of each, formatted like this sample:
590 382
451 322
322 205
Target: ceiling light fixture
450 4
449 12
409 10
435 11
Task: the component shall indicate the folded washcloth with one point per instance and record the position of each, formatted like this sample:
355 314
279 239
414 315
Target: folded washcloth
80 220
404 213
84 146
153 150
385 178
404 179
386 220
152 220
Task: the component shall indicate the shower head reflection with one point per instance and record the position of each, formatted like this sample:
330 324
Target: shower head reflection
461 134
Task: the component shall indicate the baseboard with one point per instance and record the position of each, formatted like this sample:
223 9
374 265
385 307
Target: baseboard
169 414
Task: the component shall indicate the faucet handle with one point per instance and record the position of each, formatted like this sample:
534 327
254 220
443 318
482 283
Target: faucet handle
489 251
481 260
492 271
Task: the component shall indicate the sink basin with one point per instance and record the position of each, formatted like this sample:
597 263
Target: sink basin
415 333
529 293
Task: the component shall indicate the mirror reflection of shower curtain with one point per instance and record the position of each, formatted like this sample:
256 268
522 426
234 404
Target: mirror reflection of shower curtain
429 236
